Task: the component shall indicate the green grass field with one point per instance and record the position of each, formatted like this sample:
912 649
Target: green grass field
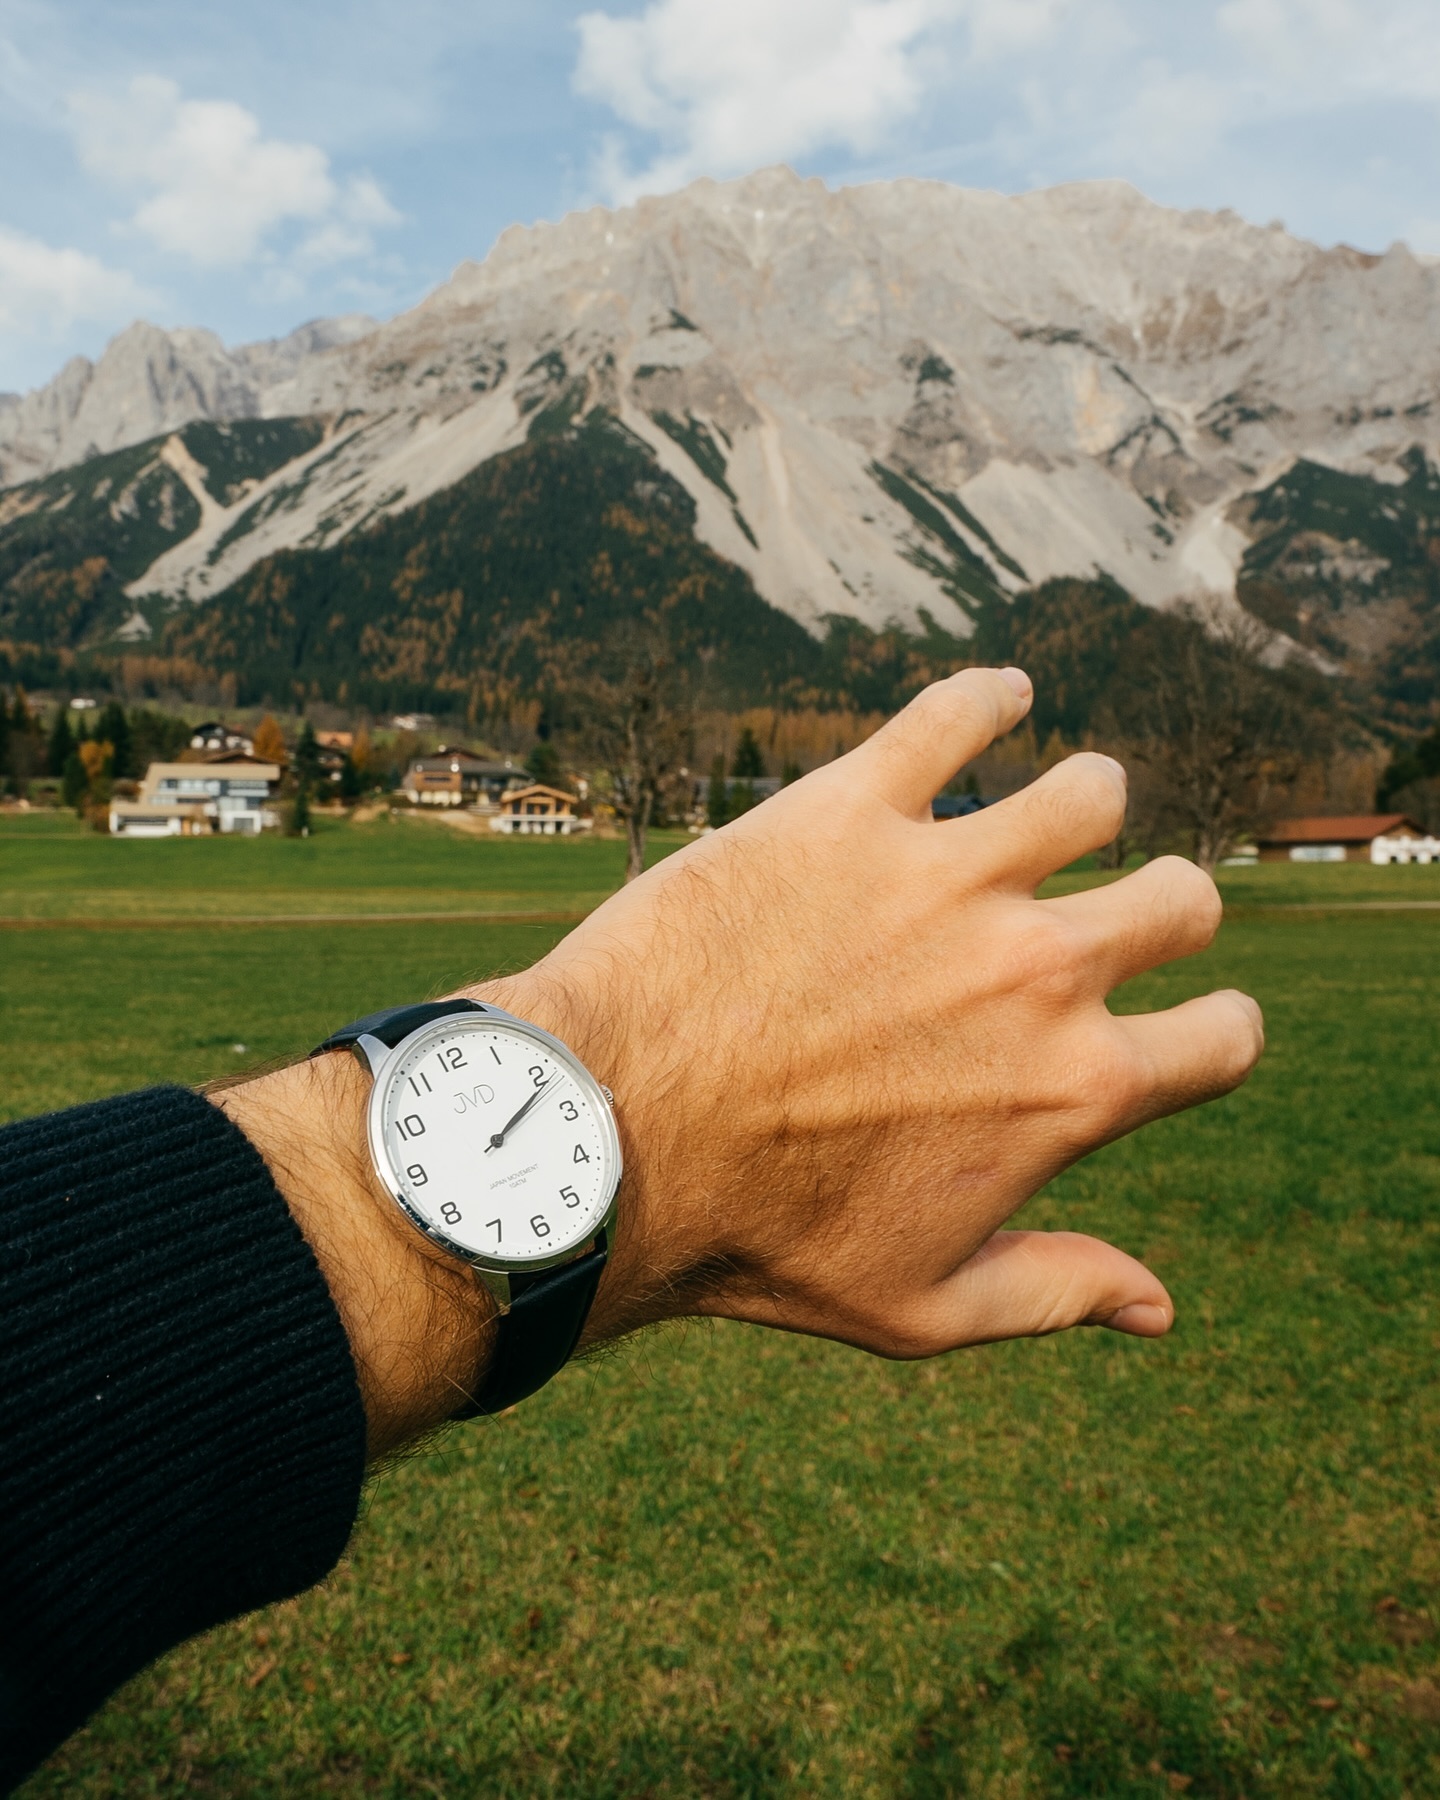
728 1563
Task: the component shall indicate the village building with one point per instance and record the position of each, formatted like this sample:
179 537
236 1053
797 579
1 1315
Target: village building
214 736
1359 837
191 799
540 811
457 777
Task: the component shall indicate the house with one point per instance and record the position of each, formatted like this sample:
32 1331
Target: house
142 819
1359 837
214 736
458 777
1404 843
332 749
538 810
192 798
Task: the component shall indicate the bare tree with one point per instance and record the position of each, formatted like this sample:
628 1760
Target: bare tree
1222 733
637 726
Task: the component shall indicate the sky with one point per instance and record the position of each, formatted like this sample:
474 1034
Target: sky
246 168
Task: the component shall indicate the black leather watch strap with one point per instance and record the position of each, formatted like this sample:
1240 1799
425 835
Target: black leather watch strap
537 1337
395 1022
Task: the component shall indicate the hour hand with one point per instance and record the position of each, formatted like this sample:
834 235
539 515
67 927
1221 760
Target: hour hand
497 1138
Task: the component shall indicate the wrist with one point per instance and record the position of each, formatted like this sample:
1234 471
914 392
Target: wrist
658 1245
418 1322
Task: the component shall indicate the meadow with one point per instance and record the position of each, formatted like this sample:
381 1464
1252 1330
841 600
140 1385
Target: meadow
722 1562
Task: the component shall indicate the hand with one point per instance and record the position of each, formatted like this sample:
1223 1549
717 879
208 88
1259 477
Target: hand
498 1138
847 1043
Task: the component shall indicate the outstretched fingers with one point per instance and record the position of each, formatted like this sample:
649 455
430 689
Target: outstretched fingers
1166 909
1032 1283
1074 808
1193 1052
914 754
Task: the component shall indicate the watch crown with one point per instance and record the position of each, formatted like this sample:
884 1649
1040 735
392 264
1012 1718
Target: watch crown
609 1097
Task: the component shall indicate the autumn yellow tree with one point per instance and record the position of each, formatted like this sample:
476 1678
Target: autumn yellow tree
96 759
270 742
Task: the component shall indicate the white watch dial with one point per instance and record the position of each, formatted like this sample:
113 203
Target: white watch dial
496 1143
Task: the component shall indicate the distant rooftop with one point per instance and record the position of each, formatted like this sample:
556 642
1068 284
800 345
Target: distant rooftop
1348 828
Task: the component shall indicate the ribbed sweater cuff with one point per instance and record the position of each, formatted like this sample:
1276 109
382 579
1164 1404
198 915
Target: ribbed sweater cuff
181 1432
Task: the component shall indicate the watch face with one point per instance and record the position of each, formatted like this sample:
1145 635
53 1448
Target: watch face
496 1141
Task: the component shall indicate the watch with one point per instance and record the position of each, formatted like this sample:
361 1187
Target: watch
499 1144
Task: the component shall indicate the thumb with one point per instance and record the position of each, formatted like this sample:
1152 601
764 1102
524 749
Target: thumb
1031 1283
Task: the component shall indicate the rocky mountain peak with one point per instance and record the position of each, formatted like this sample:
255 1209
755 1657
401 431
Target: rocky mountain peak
890 401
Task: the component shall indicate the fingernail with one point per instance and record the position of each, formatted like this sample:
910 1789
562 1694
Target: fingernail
1251 1006
1018 680
1118 767
1140 1319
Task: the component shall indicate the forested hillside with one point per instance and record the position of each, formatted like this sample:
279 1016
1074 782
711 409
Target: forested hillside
1350 567
70 543
523 577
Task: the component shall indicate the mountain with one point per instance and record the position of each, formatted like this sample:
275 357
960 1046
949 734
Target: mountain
150 382
894 405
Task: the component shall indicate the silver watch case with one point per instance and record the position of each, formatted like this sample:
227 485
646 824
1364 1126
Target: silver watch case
379 1059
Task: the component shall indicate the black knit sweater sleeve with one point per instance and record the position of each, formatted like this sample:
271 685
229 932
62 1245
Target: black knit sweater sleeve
181 1432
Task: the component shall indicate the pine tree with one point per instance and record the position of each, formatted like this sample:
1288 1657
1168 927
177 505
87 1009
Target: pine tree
113 728
299 823
351 785
307 756
717 794
74 782
25 754
749 764
155 737
543 763
61 746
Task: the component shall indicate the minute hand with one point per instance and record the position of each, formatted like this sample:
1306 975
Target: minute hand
498 1138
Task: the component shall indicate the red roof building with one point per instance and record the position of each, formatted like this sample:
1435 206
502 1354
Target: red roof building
1357 837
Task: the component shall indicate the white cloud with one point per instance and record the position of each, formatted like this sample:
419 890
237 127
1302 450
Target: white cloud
725 88
215 190
1170 120
1003 27
45 291
1327 50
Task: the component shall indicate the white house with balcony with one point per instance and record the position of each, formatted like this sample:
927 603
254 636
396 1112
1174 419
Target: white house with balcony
538 811
190 799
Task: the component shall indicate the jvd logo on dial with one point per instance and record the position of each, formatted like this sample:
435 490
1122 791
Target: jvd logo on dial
475 1099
